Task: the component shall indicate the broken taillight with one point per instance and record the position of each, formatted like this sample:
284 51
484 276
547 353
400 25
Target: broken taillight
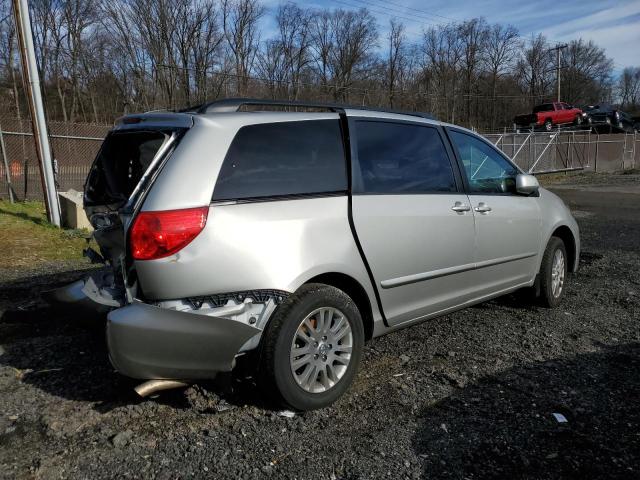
160 234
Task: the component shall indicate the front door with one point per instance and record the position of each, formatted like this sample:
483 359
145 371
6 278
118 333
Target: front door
412 218
508 225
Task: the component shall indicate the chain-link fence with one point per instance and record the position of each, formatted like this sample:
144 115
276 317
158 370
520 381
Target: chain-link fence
75 145
565 151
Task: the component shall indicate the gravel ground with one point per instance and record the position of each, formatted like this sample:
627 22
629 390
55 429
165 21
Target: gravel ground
469 395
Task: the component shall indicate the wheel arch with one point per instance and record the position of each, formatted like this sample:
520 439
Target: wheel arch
356 292
565 234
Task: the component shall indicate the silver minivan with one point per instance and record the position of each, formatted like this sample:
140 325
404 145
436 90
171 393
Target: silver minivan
293 232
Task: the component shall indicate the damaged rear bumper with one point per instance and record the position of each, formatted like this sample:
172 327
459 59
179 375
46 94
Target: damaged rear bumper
149 342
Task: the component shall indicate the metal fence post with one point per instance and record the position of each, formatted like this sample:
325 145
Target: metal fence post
595 160
6 166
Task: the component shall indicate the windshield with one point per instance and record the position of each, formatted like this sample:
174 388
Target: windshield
122 160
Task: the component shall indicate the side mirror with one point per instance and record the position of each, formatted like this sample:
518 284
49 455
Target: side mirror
526 184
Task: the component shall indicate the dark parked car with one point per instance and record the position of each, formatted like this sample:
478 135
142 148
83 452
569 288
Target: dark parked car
607 115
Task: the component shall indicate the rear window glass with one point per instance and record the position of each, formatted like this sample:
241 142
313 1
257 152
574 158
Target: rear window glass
401 158
121 162
288 158
547 107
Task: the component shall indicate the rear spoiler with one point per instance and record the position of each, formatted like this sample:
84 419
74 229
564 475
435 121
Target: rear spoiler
154 120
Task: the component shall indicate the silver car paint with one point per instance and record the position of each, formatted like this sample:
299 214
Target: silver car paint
556 214
283 244
399 235
507 241
263 245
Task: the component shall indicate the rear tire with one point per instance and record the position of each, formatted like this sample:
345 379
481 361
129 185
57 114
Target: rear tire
553 273
324 325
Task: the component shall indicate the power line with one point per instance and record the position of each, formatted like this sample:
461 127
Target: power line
417 10
379 12
397 12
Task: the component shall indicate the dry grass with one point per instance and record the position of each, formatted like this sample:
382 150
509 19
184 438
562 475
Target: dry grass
28 240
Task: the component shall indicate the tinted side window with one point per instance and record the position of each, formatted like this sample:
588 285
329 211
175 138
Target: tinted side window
402 158
287 158
486 170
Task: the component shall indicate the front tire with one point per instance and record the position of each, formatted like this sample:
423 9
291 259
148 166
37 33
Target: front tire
553 273
548 126
312 348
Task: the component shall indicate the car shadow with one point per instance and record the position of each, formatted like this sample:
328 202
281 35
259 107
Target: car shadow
505 426
61 350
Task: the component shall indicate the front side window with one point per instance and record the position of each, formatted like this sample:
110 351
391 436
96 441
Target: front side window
401 158
286 158
487 171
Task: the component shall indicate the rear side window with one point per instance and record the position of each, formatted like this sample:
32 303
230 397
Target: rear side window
546 107
401 158
288 158
122 160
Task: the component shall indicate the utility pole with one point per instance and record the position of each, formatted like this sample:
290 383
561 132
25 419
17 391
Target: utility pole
557 48
31 80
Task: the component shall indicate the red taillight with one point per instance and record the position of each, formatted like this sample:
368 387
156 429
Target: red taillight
160 234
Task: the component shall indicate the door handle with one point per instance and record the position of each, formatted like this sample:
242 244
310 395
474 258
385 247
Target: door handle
460 207
482 208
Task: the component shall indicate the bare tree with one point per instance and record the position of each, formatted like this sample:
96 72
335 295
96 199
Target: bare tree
396 39
586 72
442 60
295 39
8 53
99 59
501 50
629 88
322 46
535 67
240 25
354 38
473 35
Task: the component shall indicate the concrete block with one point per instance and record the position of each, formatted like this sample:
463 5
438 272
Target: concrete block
71 211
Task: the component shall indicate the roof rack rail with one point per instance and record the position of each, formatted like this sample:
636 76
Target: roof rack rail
235 104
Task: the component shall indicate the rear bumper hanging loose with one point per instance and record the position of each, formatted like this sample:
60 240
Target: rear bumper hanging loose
148 342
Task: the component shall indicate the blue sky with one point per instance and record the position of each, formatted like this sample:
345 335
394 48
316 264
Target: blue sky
614 25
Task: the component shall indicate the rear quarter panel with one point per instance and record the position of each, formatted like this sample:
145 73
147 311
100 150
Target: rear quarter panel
263 245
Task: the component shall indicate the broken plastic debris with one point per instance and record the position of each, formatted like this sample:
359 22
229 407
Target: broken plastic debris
287 414
560 418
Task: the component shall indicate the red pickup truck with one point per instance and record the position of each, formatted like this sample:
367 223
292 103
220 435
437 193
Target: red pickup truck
549 114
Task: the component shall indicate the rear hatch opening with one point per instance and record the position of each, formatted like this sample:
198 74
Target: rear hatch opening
130 158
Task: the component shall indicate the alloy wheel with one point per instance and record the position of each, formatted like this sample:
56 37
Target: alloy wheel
557 273
321 350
